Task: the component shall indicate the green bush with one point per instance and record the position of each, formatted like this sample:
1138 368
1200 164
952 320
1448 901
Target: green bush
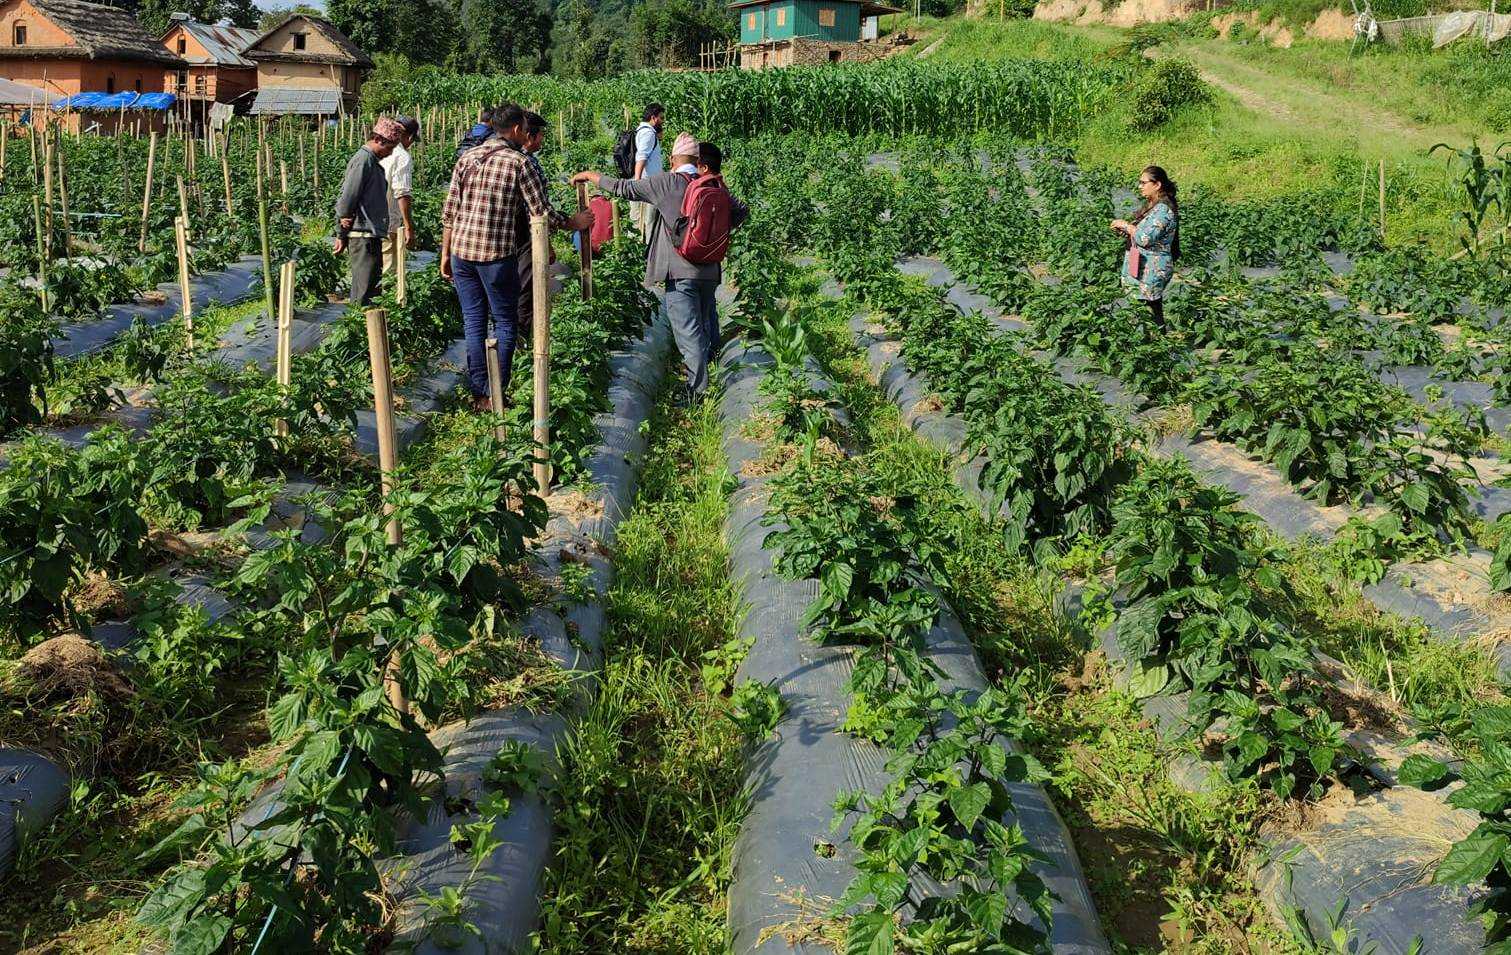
1161 90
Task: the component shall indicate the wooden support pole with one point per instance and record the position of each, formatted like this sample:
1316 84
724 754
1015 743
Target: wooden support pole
267 255
183 203
540 255
495 384
4 142
401 264
1382 200
285 354
181 241
47 198
147 188
614 221
283 183
63 207
585 240
36 209
388 454
225 176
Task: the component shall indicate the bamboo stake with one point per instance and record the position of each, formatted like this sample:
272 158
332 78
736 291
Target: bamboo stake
183 202
614 220
36 209
401 267
31 139
585 239
267 257
495 385
540 255
377 351
4 141
47 153
285 355
1382 200
63 203
283 183
225 175
181 240
147 189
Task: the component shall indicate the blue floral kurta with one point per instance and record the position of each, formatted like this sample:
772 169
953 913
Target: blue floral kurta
1153 239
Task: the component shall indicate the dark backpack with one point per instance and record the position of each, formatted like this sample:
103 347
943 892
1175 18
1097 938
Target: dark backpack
707 212
624 153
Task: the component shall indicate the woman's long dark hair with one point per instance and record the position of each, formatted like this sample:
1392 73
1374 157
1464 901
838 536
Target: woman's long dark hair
1167 194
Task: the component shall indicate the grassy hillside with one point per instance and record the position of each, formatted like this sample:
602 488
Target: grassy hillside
1281 119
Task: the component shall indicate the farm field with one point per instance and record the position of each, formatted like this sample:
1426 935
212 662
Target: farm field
974 610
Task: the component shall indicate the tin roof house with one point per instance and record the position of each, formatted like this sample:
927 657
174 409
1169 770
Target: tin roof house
777 33
306 65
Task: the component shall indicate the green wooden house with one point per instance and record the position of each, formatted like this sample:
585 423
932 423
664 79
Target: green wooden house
820 30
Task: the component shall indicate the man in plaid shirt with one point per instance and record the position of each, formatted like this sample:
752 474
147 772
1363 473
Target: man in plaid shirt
494 187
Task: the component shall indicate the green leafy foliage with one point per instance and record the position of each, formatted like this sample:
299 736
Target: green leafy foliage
1481 856
1205 610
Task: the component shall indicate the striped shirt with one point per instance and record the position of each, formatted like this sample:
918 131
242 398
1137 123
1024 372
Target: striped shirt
493 187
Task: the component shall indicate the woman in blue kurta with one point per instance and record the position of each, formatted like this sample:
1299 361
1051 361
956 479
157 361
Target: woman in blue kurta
1153 240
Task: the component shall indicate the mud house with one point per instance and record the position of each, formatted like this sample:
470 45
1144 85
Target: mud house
807 32
66 47
306 65
214 71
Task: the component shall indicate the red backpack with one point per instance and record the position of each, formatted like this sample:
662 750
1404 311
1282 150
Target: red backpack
703 229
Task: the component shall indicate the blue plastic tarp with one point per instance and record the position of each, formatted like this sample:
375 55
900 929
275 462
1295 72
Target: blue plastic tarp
114 101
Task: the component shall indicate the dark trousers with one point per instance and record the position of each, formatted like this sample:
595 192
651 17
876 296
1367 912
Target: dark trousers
487 291
691 307
365 257
1156 310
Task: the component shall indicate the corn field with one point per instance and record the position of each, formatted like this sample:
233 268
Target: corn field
1026 98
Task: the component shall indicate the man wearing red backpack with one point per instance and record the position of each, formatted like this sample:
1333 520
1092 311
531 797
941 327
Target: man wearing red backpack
693 216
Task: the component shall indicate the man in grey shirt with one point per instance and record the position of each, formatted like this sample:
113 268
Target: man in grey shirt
362 210
689 288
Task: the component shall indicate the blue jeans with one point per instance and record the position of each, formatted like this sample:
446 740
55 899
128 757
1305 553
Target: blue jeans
487 290
691 308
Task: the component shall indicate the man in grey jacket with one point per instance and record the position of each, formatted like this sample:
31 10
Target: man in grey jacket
362 210
688 288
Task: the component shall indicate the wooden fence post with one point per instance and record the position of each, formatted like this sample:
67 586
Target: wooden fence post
377 352
495 384
585 239
147 189
181 242
285 354
540 255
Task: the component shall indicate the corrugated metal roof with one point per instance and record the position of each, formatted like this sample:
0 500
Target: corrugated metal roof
19 94
286 100
224 44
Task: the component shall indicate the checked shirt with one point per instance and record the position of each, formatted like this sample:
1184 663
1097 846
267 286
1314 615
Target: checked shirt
493 189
